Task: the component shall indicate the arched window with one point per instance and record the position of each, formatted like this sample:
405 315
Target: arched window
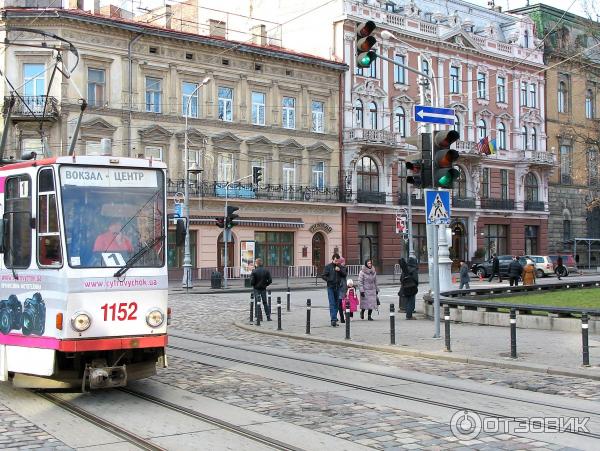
566 229
425 66
533 138
457 125
524 137
531 187
367 175
400 121
562 97
460 188
481 129
526 39
358 114
373 115
501 136
589 104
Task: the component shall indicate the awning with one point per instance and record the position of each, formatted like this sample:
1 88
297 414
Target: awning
289 223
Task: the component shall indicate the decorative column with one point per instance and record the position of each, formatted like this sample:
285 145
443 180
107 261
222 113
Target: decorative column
470 116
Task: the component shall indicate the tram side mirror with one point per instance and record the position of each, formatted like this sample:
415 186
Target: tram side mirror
180 231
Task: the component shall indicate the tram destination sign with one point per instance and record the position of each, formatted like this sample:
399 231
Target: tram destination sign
108 177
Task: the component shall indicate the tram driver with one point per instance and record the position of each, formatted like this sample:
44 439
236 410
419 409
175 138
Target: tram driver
113 240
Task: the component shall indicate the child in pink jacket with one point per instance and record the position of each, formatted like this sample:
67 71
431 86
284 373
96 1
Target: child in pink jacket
350 299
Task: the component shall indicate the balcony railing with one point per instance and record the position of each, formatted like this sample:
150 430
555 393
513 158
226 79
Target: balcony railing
534 205
370 197
463 202
536 156
263 192
497 204
372 136
32 107
403 200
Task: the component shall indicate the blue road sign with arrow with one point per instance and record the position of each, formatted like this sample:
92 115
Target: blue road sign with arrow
433 115
437 207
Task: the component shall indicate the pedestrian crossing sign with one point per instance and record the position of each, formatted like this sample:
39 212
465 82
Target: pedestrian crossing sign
437 206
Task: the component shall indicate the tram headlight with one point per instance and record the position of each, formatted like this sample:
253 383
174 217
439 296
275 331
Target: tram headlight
155 318
81 321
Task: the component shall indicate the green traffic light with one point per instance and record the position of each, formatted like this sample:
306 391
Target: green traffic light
365 59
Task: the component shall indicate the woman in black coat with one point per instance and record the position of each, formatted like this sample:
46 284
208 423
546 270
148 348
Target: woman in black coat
409 282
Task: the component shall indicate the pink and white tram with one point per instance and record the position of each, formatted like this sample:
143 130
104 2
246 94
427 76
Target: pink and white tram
83 274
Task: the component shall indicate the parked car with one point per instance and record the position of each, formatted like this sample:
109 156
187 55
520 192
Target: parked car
543 265
485 269
568 262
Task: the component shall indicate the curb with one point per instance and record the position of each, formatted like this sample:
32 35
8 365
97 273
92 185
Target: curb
237 290
533 367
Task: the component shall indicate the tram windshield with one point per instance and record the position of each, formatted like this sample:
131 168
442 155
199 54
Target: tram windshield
113 216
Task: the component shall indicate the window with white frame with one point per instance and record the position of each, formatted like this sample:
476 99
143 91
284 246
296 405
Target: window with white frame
589 104
400 121
372 70
96 86
399 71
481 129
34 83
318 175
359 114
524 138
481 85
288 112
501 136
454 80
154 152
532 96
153 94
562 97
189 96
288 174
318 116
425 66
225 103
533 138
258 107
526 39
523 97
373 115
501 89
503 183
225 167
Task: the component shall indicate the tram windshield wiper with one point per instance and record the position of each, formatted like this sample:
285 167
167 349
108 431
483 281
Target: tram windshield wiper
138 255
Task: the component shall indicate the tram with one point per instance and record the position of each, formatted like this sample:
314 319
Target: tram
83 275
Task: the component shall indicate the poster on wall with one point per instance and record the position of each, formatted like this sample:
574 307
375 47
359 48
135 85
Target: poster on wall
247 257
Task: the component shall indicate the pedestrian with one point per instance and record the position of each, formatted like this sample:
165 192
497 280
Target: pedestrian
560 269
529 274
409 282
350 298
260 279
332 275
514 272
495 269
464 276
343 288
367 283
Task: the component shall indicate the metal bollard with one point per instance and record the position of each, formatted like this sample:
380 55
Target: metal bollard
289 298
447 327
251 307
278 313
347 320
269 303
308 316
584 339
258 312
392 324
513 333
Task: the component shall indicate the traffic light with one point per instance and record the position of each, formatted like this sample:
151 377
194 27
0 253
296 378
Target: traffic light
364 42
420 165
256 175
231 216
220 222
444 158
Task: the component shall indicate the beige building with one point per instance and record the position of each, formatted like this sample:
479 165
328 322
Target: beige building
261 107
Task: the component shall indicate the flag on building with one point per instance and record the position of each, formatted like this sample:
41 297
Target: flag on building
493 147
483 146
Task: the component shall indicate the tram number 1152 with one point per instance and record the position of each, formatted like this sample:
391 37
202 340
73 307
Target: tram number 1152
120 312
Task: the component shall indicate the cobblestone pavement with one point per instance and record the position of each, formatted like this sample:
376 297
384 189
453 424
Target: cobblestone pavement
18 433
222 310
373 425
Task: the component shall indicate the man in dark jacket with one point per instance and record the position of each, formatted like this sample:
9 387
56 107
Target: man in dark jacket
514 272
333 275
260 279
495 269
409 282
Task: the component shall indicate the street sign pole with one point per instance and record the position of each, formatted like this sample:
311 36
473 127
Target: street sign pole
436 283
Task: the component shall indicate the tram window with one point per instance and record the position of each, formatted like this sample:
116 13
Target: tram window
17 217
49 250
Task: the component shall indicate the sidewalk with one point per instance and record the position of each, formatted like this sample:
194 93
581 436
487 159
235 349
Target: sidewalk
551 352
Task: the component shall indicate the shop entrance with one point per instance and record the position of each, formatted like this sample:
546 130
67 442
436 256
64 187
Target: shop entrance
459 244
221 253
318 252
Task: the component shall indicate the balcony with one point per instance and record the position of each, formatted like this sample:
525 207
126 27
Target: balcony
30 108
538 157
497 204
370 197
463 202
369 136
295 193
534 205
403 200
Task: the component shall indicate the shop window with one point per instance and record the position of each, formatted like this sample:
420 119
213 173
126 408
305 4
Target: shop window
275 248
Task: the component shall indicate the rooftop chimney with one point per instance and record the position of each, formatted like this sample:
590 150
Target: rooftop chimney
259 34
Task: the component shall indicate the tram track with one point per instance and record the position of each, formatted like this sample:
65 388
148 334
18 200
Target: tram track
378 391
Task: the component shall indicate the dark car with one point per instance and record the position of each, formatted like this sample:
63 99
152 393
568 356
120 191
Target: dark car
568 262
484 269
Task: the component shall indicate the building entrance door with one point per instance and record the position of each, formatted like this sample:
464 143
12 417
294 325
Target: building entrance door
459 244
318 252
221 254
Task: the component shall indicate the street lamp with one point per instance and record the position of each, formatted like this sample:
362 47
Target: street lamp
187 257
